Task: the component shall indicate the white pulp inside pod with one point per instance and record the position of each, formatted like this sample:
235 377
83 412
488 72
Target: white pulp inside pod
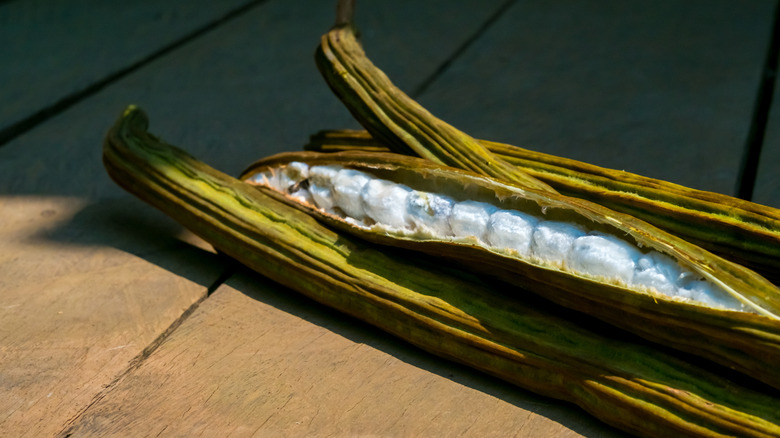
372 203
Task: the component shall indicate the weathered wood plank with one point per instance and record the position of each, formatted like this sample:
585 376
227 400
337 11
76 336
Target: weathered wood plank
76 305
53 49
663 89
256 359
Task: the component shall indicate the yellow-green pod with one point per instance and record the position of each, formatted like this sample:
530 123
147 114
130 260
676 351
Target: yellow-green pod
741 231
396 118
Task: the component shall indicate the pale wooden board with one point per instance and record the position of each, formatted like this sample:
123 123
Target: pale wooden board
53 49
76 304
257 360
664 89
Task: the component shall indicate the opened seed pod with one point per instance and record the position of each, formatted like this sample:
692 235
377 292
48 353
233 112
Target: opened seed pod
741 231
571 251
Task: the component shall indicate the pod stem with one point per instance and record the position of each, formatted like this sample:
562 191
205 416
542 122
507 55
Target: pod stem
345 12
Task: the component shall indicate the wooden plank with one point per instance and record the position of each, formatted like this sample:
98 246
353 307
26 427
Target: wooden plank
52 50
256 359
80 301
663 89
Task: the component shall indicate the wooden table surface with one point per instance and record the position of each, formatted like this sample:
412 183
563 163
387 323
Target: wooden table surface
114 321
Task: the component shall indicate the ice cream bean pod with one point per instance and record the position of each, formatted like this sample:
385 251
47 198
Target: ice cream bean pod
574 252
742 231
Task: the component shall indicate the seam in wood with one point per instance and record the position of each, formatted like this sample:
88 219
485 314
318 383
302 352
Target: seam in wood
26 124
748 171
461 49
139 359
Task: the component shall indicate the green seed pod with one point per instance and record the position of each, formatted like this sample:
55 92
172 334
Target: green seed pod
630 385
397 119
571 251
741 231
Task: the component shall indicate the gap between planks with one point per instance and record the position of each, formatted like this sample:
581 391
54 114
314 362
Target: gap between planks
748 171
136 362
8 133
491 20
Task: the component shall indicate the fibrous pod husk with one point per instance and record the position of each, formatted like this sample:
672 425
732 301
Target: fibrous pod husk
574 252
742 231
630 385
398 120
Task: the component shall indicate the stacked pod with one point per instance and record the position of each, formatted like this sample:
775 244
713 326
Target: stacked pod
495 326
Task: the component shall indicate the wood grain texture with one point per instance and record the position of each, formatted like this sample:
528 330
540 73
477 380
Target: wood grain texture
53 49
77 306
303 370
662 89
